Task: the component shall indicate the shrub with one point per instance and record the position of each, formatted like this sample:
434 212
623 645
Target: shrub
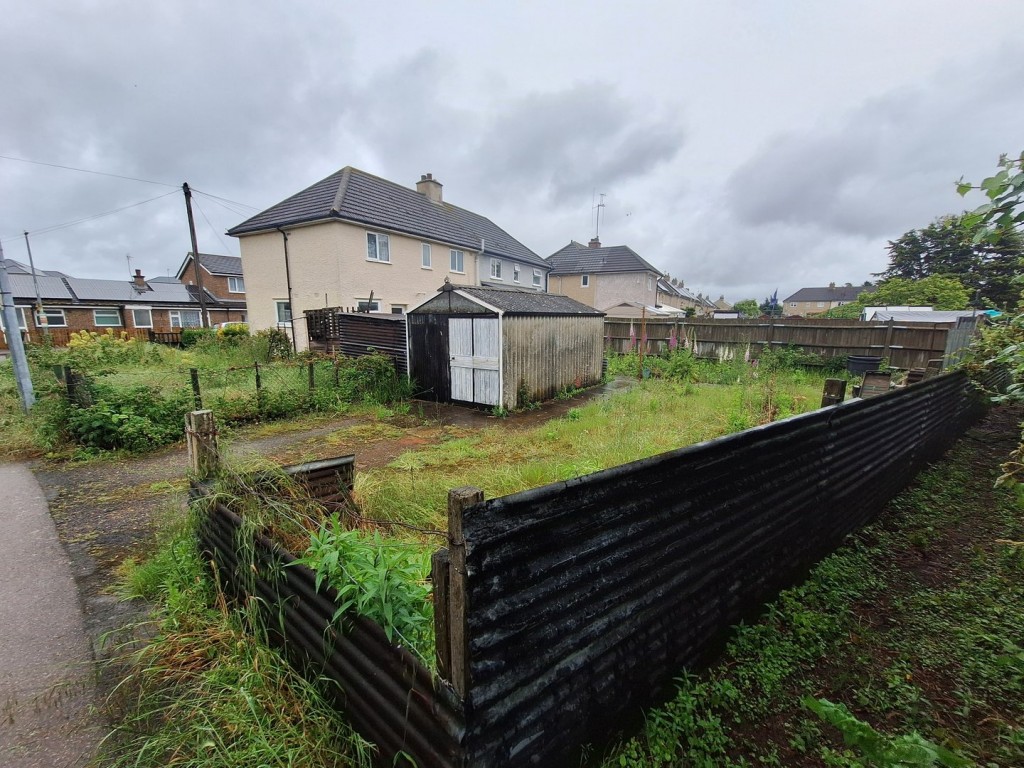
135 419
190 337
233 332
279 346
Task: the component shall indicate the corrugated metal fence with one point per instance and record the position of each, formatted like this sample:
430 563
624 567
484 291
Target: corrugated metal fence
586 598
907 345
355 334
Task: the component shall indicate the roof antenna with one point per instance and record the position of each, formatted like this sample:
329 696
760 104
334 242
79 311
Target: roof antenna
128 258
597 217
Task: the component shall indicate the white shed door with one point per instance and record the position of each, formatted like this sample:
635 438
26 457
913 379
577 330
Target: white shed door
474 348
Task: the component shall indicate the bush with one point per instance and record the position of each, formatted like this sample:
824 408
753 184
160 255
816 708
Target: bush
233 332
190 337
135 419
279 346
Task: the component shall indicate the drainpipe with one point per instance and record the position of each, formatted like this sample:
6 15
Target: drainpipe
288 281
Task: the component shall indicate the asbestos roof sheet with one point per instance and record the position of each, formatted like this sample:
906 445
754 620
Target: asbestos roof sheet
523 301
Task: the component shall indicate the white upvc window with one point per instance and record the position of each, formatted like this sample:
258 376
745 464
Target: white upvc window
537 275
283 311
515 273
55 318
458 261
650 283
365 305
142 317
106 318
22 318
185 318
585 281
398 309
496 269
377 247
821 303
425 256
236 285
792 303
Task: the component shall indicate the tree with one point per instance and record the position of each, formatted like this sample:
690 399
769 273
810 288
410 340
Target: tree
748 307
936 291
948 246
770 306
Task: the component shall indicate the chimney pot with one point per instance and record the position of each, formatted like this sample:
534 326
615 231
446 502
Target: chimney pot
139 280
831 285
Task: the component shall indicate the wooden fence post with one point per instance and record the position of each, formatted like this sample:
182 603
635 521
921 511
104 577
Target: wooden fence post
312 380
439 575
196 395
835 392
888 339
201 436
459 499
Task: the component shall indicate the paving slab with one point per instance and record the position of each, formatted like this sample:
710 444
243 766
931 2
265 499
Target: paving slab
47 679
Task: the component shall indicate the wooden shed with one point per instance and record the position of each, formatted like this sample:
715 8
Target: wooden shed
503 346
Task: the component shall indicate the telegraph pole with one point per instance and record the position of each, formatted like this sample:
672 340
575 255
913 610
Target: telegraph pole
203 321
14 343
41 319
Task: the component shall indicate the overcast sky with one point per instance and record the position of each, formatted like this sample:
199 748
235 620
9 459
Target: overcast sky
741 146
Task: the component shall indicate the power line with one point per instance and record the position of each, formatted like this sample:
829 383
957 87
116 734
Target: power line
214 230
83 220
86 170
226 200
224 205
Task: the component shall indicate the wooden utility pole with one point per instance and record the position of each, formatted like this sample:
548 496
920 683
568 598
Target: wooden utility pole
203 320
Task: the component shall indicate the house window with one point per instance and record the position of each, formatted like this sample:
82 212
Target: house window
425 256
109 318
236 285
792 303
54 318
821 303
185 318
536 278
377 248
398 309
458 261
650 283
22 319
284 312
142 318
365 305
585 281
496 269
515 273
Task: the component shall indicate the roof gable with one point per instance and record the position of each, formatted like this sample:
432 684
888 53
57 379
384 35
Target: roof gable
356 196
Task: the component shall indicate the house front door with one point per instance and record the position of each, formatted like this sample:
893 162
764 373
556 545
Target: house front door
474 348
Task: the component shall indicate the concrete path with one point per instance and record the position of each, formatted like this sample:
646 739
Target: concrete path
47 682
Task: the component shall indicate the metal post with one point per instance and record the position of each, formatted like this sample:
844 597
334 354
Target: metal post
14 343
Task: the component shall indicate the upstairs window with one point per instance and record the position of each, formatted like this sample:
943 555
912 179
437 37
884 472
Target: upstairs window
377 247
496 269
425 256
236 285
515 273
585 281
536 278
458 261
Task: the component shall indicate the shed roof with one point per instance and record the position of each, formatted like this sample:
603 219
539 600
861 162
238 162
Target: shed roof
576 258
356 196
515 301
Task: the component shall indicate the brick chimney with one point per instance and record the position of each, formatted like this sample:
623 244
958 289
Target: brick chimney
140 281
594 243
429 187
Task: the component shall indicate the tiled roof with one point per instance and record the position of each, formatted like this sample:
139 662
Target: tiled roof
829 293
576 259
523 301
359 197
217 264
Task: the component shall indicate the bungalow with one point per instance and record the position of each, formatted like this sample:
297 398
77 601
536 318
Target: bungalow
354 240
71 304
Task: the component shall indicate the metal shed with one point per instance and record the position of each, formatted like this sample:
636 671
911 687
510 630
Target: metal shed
503 346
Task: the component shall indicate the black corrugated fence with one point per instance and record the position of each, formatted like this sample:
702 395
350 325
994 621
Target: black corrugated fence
562 611
355 334
586 598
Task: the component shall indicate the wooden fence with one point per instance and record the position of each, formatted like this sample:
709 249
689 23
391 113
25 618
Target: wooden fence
905 345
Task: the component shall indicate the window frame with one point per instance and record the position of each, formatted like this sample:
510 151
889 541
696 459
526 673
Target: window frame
280 304
584 281
399 309
363 304
515 273
135 322
239 280
22 319
426 258
179 313
49 324
114 310
496 269
538 279
377 236
456 255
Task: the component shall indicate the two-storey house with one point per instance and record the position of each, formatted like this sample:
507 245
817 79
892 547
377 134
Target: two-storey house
355 240
603 276
222 278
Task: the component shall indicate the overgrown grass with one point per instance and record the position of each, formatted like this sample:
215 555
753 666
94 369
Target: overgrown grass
203 693
922 654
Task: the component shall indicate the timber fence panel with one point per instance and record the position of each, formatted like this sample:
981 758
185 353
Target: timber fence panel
586 598
386 693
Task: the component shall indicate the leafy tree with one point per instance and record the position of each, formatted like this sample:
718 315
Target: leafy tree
770 306
948 246
936 291
748 307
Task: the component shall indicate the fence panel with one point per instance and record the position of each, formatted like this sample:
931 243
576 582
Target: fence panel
586 598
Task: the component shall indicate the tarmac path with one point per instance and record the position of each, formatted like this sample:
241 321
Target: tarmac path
46 672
